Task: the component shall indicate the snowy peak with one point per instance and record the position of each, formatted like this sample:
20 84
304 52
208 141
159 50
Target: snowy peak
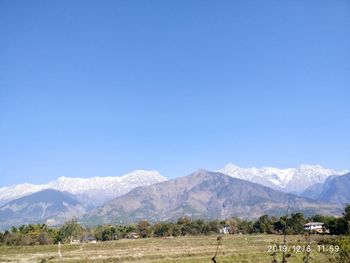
12 192
287 179
80 185
316 170
94 190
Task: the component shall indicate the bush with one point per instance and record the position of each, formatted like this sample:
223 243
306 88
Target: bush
344 253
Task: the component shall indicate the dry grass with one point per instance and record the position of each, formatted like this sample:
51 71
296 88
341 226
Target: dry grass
238 248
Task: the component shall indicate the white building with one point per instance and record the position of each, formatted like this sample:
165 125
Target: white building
317 227
225 230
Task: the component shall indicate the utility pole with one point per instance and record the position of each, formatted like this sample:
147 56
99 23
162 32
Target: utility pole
284 248
59 251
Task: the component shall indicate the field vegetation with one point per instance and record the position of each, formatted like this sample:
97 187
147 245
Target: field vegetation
188 249
183 241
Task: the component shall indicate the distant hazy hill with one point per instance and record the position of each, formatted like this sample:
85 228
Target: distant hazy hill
48 206
89 191
335 189
204 195
291 180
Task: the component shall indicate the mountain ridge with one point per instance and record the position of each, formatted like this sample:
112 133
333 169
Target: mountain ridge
48 206
91 191
294 180
334 190
201 194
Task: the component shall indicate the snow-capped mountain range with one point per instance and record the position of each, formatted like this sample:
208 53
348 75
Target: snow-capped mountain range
96 191
64 198
90 191
293 180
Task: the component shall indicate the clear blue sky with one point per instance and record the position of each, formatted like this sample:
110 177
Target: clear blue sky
99 88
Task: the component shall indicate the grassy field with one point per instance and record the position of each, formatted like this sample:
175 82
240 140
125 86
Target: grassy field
199 249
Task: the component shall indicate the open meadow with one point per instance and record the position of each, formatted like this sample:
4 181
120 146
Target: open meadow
191 249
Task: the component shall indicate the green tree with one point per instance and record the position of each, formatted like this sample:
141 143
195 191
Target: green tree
121 231
346 213
185 225
163 229
71 230
14 229
144 229
263 225
214 226
280 224
296 223
184 221
176 230
245 227
97 232
233 224
108 233
197 227
337 226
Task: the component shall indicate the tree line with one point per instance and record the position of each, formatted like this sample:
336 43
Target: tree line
41 234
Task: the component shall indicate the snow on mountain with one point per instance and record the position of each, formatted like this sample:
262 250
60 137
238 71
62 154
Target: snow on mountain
294 180
8 193
93 191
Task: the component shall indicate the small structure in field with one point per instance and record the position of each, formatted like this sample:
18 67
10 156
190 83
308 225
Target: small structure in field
316 227
226 230
90 239
132 236
75 242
